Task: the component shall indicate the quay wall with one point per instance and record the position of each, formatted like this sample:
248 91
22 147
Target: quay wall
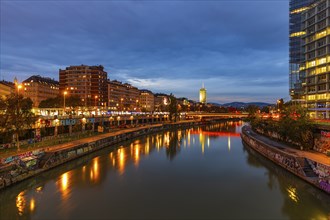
12 171
315 173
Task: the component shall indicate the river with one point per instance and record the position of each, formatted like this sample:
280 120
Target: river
198 173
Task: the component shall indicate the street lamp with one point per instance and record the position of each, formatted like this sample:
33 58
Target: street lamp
18 88
95 101
64 94
121 104
137 105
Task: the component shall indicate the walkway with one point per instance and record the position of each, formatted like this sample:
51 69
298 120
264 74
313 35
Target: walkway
85 139
97 137
313 155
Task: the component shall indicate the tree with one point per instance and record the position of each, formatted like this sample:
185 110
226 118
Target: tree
73 101
280 104
265 109
252 110
293 126
16 116
173 107
58 102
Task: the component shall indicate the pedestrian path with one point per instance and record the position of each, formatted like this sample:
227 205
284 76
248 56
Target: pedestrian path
312 155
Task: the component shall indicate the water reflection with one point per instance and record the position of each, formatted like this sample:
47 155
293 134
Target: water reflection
102 170
63 185
32 205
20 203
293 189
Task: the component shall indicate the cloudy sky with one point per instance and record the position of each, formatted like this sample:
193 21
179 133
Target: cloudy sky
238 48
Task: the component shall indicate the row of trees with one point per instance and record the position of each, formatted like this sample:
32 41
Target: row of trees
293 126
58 102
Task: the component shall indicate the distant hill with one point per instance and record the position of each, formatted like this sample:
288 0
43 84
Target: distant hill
244 104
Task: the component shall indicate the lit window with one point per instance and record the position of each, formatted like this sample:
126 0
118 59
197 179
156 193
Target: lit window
298 34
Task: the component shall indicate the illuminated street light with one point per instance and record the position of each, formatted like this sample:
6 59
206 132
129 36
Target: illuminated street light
18 88
64 94
121 104
95 101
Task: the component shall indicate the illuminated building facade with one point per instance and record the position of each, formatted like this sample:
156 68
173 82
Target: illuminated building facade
296 55
6 88
202 95
87 82
123 96
147 100
161 102
316 25
39 88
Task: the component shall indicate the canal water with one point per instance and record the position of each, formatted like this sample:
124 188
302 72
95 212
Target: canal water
198 173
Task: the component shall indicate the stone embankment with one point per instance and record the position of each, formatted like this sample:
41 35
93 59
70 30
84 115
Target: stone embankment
312 167
20 167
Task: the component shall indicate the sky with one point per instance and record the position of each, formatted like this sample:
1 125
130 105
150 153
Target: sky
237 48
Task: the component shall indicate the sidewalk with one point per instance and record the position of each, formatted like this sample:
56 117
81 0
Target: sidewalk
313 155
72 143
92 138
96 137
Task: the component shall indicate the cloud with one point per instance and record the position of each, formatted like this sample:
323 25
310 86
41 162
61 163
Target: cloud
164 46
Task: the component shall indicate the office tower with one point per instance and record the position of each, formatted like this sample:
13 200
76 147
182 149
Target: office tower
296 55
316 26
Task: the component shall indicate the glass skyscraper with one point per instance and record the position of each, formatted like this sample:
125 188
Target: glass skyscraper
296 55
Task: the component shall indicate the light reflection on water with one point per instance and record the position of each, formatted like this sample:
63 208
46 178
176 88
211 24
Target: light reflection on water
206 171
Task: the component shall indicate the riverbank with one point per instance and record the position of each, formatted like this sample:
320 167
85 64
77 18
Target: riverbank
311 166
17 168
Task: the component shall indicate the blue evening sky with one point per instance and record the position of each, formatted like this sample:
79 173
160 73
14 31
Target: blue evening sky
238 48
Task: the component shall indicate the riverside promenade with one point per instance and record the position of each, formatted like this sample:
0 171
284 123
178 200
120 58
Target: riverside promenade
312 166
313 155
24 165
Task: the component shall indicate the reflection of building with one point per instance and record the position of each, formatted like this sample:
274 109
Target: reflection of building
87 82
39 88
6 88
316 28
147 100
202 95
296 51
122 96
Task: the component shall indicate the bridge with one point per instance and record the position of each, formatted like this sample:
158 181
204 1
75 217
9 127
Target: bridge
206 115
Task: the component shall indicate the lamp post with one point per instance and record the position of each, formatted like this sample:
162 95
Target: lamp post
121 104
19 86
95 101
137 105
95 104
64 94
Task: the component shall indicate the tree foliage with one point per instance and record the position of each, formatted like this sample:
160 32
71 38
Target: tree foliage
16 115
293 126
173 107
58 102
